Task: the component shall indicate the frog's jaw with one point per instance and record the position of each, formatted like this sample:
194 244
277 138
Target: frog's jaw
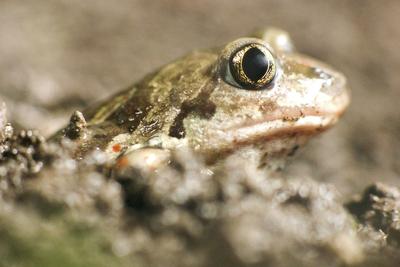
266 135
267 130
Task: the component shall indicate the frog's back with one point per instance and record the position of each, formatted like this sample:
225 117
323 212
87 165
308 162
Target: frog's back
155 105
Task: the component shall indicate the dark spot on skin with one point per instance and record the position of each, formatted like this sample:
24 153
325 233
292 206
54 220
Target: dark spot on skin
131 129
293 151
121 116
150 127
177 130
201 105
131 114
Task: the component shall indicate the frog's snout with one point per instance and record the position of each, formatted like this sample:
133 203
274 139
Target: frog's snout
313 87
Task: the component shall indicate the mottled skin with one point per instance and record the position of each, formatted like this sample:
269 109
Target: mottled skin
190 102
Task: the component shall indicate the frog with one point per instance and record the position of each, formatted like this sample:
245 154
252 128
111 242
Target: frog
255 93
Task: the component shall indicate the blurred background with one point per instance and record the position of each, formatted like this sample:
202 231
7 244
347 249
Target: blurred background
59 56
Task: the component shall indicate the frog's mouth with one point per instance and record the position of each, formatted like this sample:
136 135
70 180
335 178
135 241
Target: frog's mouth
274 126
292 131
287 123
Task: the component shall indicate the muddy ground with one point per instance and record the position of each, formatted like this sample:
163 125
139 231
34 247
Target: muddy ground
59 56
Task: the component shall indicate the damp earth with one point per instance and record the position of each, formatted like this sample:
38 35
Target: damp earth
336 203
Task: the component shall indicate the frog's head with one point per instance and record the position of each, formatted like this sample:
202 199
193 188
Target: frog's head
266 94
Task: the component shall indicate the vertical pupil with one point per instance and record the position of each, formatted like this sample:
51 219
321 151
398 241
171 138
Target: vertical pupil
254 64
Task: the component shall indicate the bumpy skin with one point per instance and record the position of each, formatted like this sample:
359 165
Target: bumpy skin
191 102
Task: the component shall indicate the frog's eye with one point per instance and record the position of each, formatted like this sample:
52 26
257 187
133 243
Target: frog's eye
252 66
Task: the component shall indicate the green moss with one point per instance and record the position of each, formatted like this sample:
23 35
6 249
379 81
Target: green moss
58 242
